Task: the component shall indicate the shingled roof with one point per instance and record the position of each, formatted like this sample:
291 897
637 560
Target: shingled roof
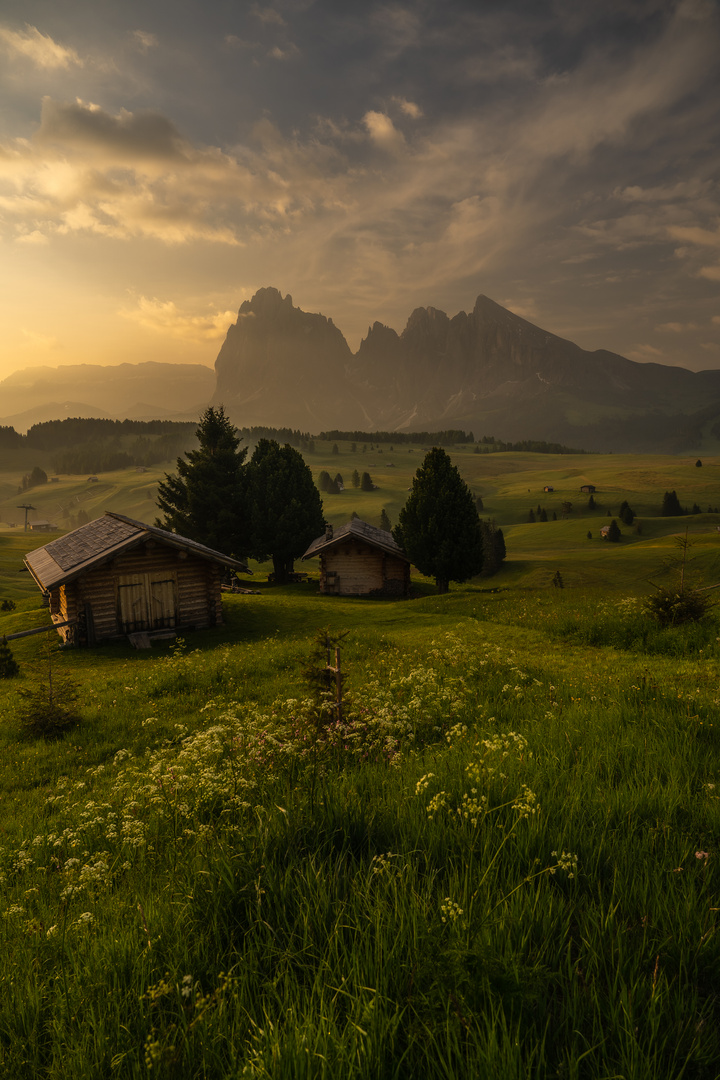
99 541
356 530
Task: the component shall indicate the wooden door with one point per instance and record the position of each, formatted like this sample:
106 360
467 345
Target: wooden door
146 602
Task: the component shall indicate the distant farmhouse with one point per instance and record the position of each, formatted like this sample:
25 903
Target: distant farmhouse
359 560
43 526
548 488
589 489
116 576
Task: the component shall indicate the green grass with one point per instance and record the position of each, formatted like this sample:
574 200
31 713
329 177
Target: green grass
209 877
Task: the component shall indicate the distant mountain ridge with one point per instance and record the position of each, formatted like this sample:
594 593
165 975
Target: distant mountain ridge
488 371
150 390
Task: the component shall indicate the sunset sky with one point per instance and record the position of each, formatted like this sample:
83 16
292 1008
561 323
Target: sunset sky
159 162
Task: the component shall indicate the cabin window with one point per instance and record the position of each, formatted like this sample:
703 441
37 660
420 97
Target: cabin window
147 602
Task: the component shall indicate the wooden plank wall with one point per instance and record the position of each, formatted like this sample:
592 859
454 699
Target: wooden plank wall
198 588
354 569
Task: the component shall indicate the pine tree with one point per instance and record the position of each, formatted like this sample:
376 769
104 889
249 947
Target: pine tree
626 513
542 515
479 503
531 516
366 483
493 547
591 503
438 526
671 505
8 664
205 499
613 533
355 478
286 509
385 520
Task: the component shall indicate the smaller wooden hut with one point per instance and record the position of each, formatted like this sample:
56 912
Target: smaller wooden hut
116 576
359 560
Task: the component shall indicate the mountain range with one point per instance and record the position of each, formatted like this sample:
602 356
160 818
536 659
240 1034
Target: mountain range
487 371
149 391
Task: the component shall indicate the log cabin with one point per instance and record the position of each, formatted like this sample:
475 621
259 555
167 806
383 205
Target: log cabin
116 576
358 559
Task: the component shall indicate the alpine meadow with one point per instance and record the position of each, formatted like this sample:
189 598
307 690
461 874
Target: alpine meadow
360 540
491 852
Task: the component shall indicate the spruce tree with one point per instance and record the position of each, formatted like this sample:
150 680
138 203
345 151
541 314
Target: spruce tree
385 520
8 664
671 505
626 513
205 499
613 533
286 509
438 526
355 478
366 483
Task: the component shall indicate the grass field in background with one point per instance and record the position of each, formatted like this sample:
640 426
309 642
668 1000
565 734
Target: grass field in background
502 863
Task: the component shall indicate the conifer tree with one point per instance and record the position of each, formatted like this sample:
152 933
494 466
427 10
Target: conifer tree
671 505
438 526
286 512
366 483
205 499
613 533
8 664
385 520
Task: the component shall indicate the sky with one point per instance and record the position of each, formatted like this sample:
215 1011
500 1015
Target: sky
161 161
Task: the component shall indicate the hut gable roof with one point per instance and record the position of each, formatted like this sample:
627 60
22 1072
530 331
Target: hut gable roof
357 530
71 555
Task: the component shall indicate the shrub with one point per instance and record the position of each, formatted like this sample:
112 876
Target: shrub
8 664
47 711
7 605
673 606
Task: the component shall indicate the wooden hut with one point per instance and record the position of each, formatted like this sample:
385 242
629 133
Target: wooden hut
359 560
116 576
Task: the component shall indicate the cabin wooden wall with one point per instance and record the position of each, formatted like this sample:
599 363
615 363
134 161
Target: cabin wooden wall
357 569
197 582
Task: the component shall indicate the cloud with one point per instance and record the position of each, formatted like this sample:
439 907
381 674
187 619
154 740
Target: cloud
645 354
409 108
34 237
382 131
676 327
39 48
267 15
164 317
35 341
276 53
399 28
144 40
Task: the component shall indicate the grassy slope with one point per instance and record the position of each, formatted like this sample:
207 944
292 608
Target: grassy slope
342 965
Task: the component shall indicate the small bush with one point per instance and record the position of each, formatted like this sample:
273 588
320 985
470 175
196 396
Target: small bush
673 607
47 711
7 605
8 664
